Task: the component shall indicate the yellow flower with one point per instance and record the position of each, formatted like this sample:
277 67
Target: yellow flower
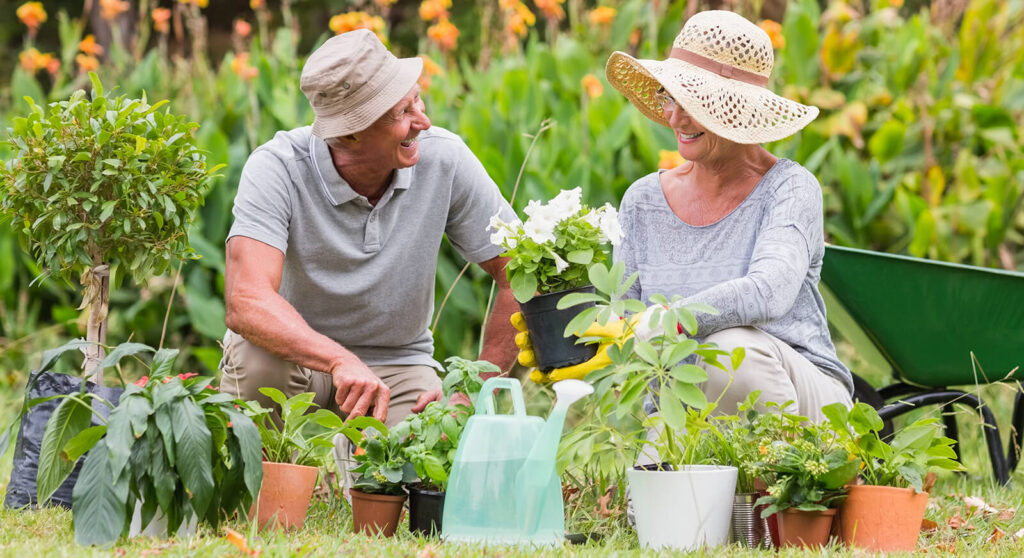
240 65
896 3
110 9
669 159
592 86
774 30
552 9
384 3
343 23
444 33
31 14
32 60
87 63
200 3
431 10
602 15
161 20
242 28
88 46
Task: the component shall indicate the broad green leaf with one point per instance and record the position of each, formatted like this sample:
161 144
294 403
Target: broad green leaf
123 350
70 418
689 373
671 409
249 443
573 299
84 441
524 285
51 356
840 476
98 500
690 395
163 362
192 438
737 356
583 257
679 351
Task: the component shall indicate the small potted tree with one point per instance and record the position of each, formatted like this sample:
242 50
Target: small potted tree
294 448
683 498
383 471
102 188
549 256
431 439
884 513
809 473
173 452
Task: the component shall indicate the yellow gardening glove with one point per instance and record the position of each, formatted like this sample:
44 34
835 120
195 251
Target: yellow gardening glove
577 371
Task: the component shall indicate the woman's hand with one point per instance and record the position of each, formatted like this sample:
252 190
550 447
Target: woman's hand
614 332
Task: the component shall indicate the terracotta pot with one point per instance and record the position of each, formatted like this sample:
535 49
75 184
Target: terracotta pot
805 528
375 513
882 518
285 494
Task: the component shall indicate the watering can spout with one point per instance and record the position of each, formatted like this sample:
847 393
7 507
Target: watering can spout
539 467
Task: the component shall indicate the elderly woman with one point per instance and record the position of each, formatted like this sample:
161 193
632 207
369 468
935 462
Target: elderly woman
734 226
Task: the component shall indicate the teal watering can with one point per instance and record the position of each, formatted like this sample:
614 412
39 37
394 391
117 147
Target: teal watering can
503 487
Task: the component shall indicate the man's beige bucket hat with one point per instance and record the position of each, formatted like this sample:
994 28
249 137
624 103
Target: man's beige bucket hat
717 71
352 80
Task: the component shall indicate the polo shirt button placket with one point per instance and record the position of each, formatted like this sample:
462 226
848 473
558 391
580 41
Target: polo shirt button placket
372 233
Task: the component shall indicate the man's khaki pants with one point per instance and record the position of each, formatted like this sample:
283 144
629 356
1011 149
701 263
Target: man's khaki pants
246 367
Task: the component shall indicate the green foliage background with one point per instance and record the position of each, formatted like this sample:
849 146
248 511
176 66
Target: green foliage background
918 147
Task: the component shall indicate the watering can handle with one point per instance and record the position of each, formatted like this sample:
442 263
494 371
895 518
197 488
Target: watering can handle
485 402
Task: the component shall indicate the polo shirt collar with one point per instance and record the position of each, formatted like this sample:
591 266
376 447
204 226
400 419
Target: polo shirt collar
335 187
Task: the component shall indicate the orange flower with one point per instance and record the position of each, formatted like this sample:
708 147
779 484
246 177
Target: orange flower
343 23
53 66
110 9
240 65
200 3
896 3
431 10
592 86
32 60
31 14
669 159
634 37
257 4
430 69
774 31
88 46
602 15
242 28
162 20
141 382
552 9
444 33
87 63
384 3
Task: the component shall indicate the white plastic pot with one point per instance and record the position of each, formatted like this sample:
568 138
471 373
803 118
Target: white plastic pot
158 526
686 509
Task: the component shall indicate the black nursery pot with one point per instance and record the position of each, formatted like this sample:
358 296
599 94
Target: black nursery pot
425 510
546 324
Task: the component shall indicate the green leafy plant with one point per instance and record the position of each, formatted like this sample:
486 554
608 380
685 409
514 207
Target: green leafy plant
654 380
463 376
100 188
431 438
903 462
172 443
383 467
809 471
552 250
300 437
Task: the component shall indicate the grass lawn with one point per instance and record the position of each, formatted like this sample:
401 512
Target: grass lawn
960 530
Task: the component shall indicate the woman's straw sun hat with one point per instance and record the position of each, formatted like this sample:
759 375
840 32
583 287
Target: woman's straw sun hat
717 71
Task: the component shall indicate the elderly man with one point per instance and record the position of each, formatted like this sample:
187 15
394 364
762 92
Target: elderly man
331 258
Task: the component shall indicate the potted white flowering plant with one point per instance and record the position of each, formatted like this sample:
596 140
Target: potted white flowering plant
549 256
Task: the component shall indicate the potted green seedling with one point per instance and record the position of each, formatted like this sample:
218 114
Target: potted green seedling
174 452
809 474
884 512
683 497
295 446
382 473
549 256
431 438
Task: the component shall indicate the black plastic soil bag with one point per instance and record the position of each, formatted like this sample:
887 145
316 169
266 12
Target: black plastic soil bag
21 491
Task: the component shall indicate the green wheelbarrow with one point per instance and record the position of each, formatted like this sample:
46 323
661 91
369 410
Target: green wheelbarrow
937 325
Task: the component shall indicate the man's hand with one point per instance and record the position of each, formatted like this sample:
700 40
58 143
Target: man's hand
358 388
613 331
426 398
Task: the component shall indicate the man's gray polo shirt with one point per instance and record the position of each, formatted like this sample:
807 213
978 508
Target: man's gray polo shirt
364 275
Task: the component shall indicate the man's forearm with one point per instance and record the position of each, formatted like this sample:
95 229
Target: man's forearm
499 335
273 324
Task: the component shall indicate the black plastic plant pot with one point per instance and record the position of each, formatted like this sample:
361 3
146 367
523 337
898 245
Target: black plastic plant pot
546 325
425 509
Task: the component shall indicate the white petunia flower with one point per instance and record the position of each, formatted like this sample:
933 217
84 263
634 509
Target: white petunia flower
495 222
560 264
540 230
567 203
610 226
